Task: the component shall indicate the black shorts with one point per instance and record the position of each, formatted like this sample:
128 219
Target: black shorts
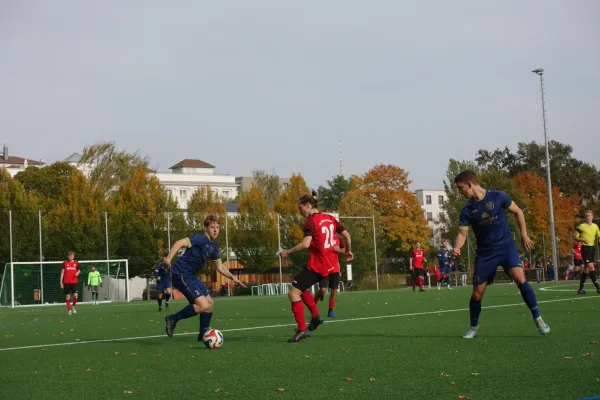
306 278
418 272
70 288
331 282
587 252
577 263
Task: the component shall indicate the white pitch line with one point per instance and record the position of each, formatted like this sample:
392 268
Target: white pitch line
37 346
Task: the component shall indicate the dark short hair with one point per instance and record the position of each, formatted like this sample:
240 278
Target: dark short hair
210 219
309 199
466 177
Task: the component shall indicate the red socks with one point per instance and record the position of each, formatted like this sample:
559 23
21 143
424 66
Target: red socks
421 283
69 305
310 303
331 304
74 301
298 310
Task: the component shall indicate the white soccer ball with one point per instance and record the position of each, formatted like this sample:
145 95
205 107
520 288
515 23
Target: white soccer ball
213 339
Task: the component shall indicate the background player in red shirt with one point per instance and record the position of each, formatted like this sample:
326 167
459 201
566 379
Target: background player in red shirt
319 231
417 257
68 280
332 281
577 258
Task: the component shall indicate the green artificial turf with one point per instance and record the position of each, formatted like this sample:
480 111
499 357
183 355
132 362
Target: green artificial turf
383 345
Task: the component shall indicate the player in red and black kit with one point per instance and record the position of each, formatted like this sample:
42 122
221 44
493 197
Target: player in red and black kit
319 233
577 259
417 256
68 281
332 281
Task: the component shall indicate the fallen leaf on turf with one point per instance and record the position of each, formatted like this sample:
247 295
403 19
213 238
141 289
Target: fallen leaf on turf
389 351
475 374
342 348
372 379
593 342
349 379
340 390
444 374
590 354
306 356
117 353
133 354
217 390
157 355
62 333
451 383
127 392
461 397
419 369
568 357
280 390
35 372
72 330
123 329
229 352
137 370
90 370
385 302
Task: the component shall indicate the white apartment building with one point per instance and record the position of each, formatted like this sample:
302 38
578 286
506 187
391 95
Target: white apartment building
431 201
188 175
14 164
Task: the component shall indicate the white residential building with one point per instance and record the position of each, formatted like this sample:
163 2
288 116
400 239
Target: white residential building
431 201
14 164
74 159
188 175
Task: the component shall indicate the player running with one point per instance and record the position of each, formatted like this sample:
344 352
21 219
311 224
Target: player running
94 283
200 250
319 233
68 281
163 283
587 233
444 259
417 256
485 212
332 281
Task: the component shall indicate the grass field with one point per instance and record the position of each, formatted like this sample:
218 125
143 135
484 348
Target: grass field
385 345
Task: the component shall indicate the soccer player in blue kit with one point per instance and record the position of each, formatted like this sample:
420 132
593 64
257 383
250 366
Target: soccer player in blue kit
444 259
485 212
200 250
163 283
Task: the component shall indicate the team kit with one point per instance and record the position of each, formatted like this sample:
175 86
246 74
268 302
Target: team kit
325 238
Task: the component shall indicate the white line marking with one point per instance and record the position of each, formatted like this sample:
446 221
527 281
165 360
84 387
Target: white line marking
286 325
557 288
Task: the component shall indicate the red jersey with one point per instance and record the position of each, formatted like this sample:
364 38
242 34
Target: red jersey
437 272
70 268
526 264
577 252
322 259
417 257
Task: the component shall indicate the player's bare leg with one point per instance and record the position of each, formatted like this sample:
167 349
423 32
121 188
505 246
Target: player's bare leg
320 295
202 304
475 309
68 298
332 299
518 275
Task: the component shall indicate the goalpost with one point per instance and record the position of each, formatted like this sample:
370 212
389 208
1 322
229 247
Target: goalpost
38 283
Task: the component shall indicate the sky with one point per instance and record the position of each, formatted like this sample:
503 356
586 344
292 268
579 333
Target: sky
275 84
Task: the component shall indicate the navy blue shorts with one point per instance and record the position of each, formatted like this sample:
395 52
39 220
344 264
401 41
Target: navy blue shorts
445 270
486 264
163 285
190 286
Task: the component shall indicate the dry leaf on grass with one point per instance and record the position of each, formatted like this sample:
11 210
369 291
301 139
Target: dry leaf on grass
90 370
117 353
372 379
349 379
133 354
475 374
342 348
35 372
444 374
157 355
568 357
127 392
389 351
280 390
306 356
462 397
590 354
451 383
217 390
593 342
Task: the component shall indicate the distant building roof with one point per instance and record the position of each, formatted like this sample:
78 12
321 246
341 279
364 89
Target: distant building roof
190 163
19 160
74 158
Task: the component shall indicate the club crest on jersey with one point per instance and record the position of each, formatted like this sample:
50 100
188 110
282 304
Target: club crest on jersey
489 205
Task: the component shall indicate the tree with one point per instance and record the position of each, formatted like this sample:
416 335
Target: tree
268 184
253 234
140 205
111 167
47 183
401 215
330 197
76 222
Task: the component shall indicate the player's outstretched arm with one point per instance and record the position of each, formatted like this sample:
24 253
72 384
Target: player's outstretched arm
304 244
460 240
515 209
347 245
178 245
223 271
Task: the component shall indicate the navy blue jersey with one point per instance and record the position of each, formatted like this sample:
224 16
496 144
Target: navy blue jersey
162 271
202 251
489 220
444 258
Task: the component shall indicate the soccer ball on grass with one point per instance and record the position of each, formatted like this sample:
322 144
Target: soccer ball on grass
213 339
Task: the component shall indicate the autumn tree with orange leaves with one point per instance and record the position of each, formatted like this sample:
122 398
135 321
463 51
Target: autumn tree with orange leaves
534 191
386 187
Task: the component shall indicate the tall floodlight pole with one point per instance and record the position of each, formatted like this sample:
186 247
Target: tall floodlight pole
540 73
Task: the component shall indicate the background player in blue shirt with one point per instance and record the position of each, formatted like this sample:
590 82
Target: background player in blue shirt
163 283
444 257
485 212
200 250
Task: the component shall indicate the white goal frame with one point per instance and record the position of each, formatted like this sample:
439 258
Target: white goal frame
42 263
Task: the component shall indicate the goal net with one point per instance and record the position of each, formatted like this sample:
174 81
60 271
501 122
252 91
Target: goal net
38 283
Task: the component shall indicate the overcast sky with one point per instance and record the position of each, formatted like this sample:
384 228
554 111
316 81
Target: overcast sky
275 84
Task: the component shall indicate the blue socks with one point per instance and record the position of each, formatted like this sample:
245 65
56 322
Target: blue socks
204 322
185 313
529 298
474 310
